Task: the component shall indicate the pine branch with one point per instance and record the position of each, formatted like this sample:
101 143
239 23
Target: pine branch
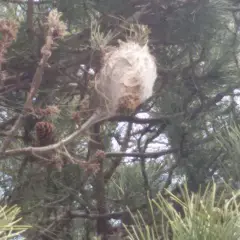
137 120
56 27
108 174
96 118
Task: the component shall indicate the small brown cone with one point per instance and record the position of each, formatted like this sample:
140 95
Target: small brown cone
45 133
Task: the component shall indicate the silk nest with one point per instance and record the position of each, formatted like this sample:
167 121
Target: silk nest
127 76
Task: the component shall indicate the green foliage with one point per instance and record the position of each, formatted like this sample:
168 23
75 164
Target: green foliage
196 44
229 141
209 215
9 226
138 32
76 14
98 38
129 177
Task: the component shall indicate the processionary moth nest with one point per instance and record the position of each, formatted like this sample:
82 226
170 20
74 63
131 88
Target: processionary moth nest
127 76
124 81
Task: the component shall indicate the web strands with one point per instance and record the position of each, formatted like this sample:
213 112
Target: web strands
127 76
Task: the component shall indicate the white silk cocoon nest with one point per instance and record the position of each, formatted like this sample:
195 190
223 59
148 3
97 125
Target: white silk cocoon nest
127 76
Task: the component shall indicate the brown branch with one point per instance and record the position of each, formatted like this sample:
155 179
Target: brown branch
37 79
133 119
208 105
11 133
96 117
114 215
30 150
144 155
108 174
80 214
30 19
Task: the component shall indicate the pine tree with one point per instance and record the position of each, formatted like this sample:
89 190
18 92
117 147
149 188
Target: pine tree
187 131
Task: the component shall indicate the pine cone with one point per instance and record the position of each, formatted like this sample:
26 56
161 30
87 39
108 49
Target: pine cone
76 116
45 133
